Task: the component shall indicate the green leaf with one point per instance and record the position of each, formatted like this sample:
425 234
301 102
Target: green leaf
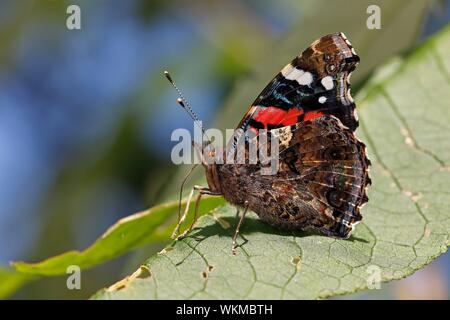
404 116
11 281
126 234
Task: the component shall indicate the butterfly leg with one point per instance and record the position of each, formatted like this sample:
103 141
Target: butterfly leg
202 191
236 233
183 217
194 220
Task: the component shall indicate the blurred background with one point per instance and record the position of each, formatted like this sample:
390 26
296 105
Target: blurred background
86 115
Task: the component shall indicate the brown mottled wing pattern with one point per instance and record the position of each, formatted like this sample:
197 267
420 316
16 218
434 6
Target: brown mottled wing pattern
321 180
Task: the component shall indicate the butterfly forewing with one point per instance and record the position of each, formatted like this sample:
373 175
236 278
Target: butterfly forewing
314 84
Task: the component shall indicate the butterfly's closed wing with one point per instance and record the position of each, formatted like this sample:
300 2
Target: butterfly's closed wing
330 165
322 174
314 84
320 182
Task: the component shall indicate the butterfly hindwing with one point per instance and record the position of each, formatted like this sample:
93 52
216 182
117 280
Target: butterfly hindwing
321 179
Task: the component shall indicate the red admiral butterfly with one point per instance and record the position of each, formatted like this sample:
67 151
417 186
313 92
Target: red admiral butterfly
323 170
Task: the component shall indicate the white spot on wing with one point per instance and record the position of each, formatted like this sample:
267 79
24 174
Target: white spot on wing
303 78
322 99
286 70
306 78
327 83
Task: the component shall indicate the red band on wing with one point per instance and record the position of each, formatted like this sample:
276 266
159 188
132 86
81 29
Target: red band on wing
312 115
276 116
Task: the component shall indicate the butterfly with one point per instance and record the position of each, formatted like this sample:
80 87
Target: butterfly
322 174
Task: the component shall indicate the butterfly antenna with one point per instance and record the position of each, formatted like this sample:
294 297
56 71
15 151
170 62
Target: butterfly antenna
182 101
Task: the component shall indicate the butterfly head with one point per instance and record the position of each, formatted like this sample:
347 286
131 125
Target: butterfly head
206 152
